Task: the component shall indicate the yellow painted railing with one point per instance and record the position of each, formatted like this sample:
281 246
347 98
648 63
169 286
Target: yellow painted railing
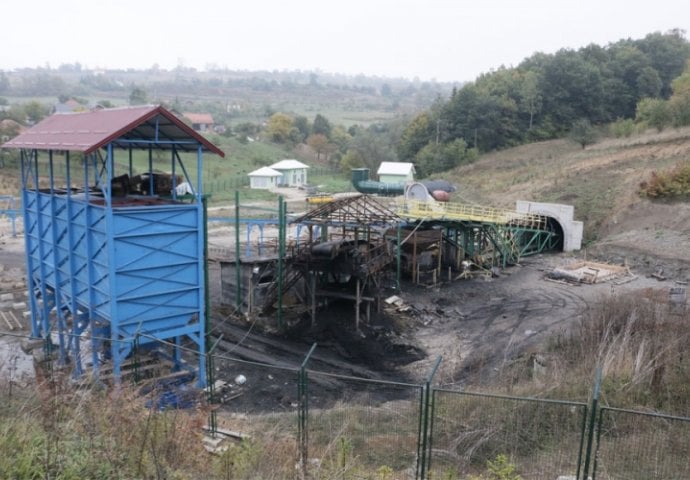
432 210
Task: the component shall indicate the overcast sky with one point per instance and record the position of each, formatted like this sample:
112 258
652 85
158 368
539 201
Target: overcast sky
446 40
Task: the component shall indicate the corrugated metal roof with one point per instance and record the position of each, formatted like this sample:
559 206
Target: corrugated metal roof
265 172
88 131
395 168
288 165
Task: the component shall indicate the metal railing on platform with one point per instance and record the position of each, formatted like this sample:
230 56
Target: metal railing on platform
432 210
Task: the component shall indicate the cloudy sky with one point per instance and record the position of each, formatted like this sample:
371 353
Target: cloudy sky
446 40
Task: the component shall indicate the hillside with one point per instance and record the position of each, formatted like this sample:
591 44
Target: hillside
602 183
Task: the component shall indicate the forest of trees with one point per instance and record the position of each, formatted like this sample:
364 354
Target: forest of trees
546 95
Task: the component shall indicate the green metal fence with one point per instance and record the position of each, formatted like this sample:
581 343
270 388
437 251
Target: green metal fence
372 425
344 427
542 438
634 445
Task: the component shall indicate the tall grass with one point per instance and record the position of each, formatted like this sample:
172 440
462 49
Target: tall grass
639 340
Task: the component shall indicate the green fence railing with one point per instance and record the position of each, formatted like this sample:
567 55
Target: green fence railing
633 445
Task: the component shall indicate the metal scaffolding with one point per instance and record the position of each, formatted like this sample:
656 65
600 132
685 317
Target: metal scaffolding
123 268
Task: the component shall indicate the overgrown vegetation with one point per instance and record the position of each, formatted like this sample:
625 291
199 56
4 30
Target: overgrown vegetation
639 340
669 184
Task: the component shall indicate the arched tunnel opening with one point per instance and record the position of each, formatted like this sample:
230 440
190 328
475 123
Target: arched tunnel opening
554 226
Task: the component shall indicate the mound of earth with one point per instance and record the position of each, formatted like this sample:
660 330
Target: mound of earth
652 236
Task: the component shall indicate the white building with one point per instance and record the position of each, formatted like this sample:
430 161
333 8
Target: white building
396 172
265 177
293 173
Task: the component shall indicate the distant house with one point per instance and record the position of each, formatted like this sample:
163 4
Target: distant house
201 122
396 172
265 177
293 173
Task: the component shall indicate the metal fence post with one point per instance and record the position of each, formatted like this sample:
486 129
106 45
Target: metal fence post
424 441
592 421
303 412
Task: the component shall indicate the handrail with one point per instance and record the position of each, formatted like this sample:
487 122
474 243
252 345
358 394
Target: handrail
432 210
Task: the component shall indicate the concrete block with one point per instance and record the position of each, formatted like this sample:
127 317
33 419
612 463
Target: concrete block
6 297
19 306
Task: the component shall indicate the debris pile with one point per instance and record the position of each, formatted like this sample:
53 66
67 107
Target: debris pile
588 272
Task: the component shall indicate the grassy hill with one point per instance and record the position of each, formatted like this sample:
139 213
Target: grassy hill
601 181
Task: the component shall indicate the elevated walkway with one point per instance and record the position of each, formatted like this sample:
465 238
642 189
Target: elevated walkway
494 236
426 210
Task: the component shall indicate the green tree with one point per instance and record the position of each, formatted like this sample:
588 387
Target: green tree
321 125
417 134
436 158
572 88
35 111
649 83
583 132
301 123
351 159
138 96
530 95
668 53
654 112
373 148
680 100
341 138
279 127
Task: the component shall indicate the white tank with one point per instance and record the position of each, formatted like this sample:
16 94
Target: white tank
417 191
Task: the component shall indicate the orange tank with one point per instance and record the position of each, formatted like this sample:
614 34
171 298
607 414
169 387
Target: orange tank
440 195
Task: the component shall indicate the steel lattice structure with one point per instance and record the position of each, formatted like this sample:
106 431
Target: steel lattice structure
123 271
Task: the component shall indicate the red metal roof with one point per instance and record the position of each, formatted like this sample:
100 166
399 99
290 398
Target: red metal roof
88 131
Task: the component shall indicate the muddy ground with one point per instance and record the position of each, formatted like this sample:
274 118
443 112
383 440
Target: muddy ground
478 326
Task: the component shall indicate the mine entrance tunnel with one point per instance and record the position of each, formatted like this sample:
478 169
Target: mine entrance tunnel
554 226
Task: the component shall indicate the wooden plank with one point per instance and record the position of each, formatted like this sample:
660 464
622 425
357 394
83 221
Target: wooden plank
4 317
16 320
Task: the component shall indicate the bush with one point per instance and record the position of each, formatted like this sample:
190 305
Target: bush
674 183
622 128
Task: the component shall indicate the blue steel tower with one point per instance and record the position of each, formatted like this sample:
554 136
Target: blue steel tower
111 268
